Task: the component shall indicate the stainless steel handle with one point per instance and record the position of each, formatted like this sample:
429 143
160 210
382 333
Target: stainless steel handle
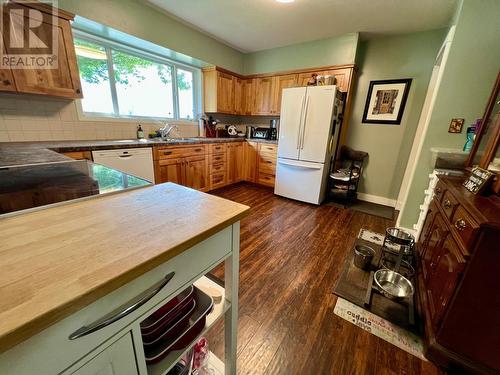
330 146
300 121
122 311
124 156
304 127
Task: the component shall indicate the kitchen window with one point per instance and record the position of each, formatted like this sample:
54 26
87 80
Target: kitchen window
122 82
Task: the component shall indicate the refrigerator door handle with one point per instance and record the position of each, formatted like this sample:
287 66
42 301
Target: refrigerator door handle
330 146
298 164
304 125
300 123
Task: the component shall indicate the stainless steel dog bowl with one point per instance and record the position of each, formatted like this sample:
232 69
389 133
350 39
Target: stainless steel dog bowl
399 236
363 256
406 269
393 284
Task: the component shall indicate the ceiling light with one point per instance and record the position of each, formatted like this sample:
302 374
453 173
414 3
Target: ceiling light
285 1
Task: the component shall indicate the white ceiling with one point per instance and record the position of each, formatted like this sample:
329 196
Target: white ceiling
253 25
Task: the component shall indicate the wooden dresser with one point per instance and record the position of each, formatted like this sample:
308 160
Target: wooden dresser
459 278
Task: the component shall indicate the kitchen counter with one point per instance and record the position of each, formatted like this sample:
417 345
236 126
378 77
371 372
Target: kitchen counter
55 261
21 153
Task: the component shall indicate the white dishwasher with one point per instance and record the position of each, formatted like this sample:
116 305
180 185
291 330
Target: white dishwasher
134 161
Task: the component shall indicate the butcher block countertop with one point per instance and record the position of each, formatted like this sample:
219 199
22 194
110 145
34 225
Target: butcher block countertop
54 262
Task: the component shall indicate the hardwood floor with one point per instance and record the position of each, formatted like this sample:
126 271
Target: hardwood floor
291 256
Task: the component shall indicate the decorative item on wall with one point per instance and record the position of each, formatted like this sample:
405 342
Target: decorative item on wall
386 101
456 125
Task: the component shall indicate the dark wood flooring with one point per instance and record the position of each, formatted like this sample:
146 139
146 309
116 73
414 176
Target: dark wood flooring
291 256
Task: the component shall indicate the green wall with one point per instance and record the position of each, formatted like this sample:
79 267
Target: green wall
468 78
388 146
135 18
331 51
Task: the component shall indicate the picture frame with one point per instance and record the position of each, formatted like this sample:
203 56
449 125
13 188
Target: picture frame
386 101
456 125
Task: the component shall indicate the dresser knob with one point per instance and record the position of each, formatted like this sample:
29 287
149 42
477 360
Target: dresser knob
439 190
460 224
447 204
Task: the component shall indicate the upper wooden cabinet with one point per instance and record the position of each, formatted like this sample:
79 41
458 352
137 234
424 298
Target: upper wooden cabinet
62 81
265 96
248 97
218 91
283 82
238 96
6 78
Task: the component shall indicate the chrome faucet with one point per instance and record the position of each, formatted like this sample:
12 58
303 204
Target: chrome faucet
166 130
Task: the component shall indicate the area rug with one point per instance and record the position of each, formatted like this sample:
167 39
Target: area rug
379 327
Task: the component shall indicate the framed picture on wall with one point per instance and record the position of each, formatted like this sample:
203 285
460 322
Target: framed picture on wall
386 101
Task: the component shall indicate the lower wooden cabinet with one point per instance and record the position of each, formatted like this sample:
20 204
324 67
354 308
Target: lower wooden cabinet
250 161
171 170
235 162
196 172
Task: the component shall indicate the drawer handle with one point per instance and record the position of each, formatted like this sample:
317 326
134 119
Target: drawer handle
447 204
123 310
198 150
460 224
167 152
7 82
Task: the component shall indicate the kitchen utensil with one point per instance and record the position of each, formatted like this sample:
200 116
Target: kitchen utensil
204 305
363 256
393 284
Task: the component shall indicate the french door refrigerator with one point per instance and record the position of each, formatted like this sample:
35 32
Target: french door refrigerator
309 132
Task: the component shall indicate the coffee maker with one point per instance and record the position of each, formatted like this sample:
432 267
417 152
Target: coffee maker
274 125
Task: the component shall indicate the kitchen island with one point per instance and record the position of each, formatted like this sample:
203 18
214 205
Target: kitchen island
66 267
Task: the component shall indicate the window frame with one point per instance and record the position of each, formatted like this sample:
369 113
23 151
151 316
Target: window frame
110 45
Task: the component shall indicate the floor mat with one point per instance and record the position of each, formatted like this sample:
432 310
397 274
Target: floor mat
379 327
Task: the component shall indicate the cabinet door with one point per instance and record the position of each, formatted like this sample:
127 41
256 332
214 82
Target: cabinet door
225 93
265 95
64 81
117 359
432 247
342 77
424 234
171 170
303 78
6 77
283 82
235 163
250 161
238 96
448 268
248 101
196 168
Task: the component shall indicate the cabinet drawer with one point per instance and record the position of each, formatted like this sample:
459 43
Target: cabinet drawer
265 179
268 148
439 191
218 180
217 168
465 226
217 148
217 158
38 351
181 151
448 204
267 166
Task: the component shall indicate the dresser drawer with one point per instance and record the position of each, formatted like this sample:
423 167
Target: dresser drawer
217 148
181 151
448 204
217 168
265 179
439 191
465 226
217 158
218 180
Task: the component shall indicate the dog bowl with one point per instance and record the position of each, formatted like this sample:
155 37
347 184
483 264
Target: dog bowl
393 284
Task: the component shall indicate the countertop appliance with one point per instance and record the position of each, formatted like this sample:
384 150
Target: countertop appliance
261 133
309 134
134 161
274 125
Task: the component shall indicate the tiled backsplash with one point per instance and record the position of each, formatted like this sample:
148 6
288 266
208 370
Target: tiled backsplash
39 118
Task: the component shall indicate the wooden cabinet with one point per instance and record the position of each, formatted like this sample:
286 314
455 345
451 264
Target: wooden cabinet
458 278
235 162
238 96
266 163
196 170
248 97
265 96
6 78
62 81
79 155
218 91
250 161
283 82
171 170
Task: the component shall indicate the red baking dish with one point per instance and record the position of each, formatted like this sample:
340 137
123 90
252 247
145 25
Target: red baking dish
161 348
168 312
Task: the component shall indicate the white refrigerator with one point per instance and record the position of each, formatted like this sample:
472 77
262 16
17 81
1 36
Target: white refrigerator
308 137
